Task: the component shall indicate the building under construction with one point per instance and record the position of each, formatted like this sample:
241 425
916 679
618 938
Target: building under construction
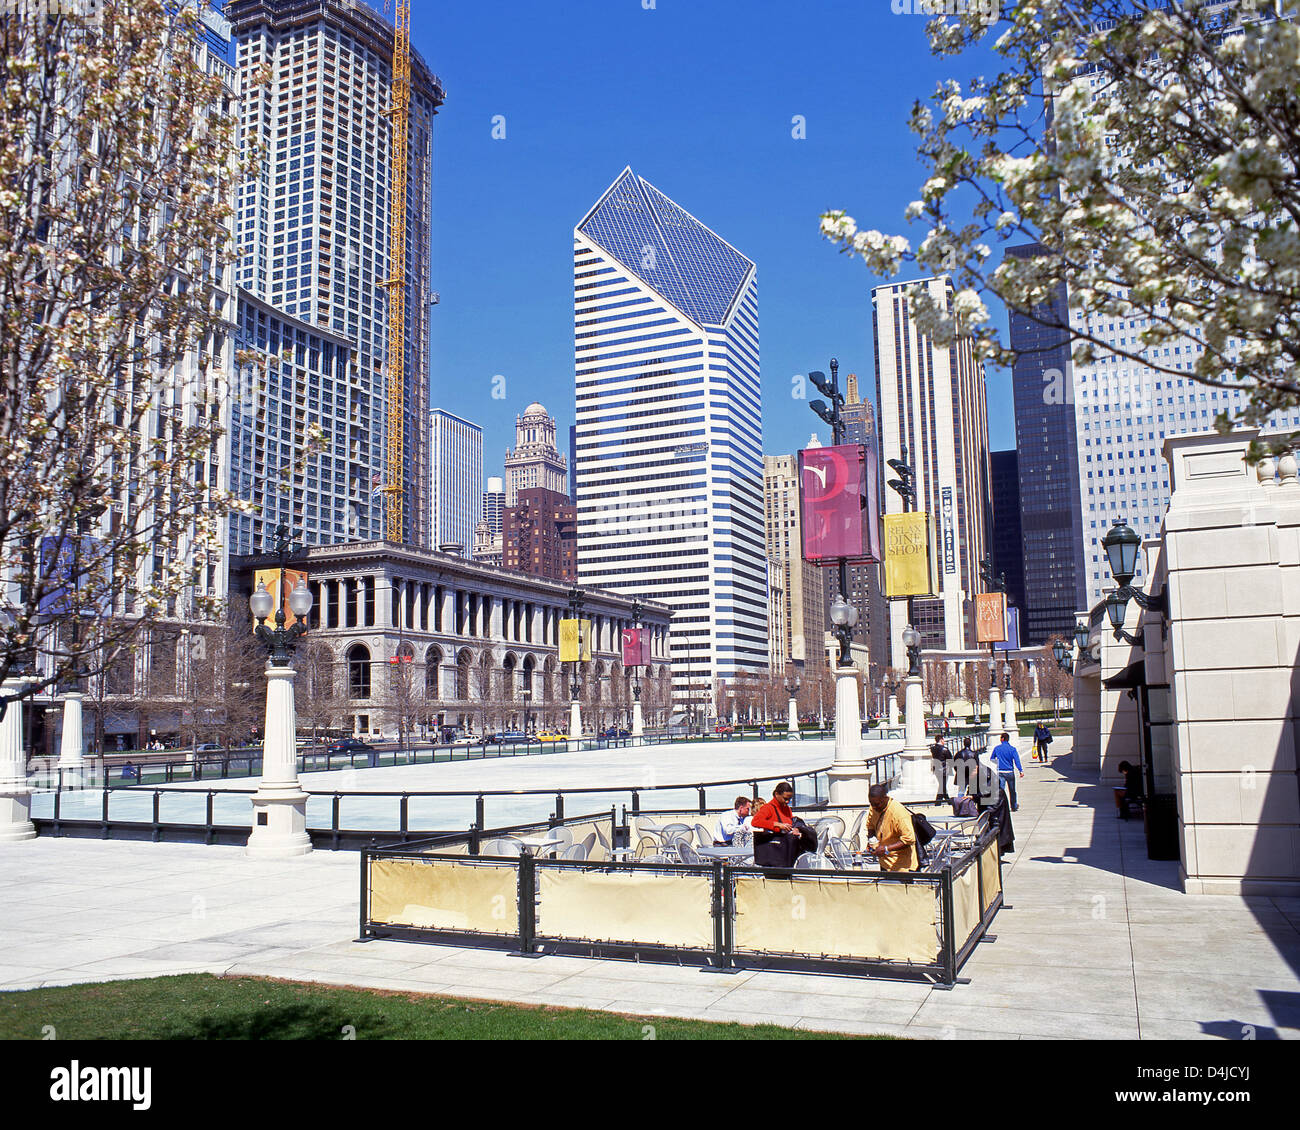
317 232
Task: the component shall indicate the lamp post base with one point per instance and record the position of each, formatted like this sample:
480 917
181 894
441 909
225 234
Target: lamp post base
72 762
279 825
849 777
15 813
575 726
638 724
1009 715
917 782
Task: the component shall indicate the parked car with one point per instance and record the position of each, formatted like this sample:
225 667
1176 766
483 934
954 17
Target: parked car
464 739
514 736
550 736
615 732
350 745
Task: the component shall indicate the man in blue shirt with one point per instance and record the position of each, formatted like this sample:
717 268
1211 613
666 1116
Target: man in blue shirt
1005 755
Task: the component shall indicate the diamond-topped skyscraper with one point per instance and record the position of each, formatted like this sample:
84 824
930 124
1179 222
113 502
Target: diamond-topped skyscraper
669 461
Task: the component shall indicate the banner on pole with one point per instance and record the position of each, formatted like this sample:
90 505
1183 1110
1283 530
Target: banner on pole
1012 641
575 641
838 504
636 647
990 617
909 565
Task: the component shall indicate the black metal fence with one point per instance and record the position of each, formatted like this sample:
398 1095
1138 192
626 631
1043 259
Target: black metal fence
695 916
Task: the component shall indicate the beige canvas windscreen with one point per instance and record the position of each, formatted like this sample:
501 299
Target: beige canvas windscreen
832 917
991 874
965 904
445 895
655 908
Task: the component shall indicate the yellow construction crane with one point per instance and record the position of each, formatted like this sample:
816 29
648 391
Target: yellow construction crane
399 112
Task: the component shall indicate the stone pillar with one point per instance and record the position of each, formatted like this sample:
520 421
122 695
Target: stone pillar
849 778
575 725
995 711
15 796
917 782
279 805
638 725
1009 715
1231 555
72 760
792 724
893 709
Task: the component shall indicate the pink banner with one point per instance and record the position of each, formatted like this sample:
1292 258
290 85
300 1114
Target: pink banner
838 504
636 647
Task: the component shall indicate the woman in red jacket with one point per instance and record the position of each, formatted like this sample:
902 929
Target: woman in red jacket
780 837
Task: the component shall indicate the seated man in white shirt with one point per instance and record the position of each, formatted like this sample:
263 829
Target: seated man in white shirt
729 823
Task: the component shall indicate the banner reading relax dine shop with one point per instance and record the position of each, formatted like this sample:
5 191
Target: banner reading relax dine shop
575 641
908 565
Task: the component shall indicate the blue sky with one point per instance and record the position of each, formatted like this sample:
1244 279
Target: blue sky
699 97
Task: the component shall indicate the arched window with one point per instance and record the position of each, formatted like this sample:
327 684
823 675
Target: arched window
359 671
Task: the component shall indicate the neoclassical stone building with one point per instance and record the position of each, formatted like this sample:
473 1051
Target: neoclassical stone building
398 633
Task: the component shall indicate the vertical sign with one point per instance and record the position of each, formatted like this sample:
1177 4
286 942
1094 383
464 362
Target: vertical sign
990 617
575 641
949 537
837 505
1012 640
636 647
907 555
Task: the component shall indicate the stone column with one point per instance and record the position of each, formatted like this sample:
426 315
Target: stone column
848 777
995 710
893 709
917 781
638 725
792 725
279 805
72 760
15 796
1009 715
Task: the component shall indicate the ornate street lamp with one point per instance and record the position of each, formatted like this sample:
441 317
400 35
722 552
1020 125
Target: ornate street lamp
1121 545
912 641
845 617
1081 636
280 805
1059 651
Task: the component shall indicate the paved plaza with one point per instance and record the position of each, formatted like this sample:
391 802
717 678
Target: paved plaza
1096 940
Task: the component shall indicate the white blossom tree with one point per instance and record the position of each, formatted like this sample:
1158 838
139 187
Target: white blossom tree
117 161
1151 148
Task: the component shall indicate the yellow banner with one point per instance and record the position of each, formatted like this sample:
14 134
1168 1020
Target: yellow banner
575 641
271 578
908 570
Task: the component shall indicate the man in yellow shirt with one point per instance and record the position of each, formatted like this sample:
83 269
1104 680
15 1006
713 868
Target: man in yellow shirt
891 824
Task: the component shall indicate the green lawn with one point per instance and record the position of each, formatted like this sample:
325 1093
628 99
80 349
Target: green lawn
203 1007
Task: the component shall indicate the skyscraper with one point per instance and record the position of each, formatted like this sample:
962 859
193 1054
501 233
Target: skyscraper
494 504
1048 460
539 535
456 497
1008 544
534 461
669 427
313 229
932 401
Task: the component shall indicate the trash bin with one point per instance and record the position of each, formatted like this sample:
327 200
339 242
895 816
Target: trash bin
1160 820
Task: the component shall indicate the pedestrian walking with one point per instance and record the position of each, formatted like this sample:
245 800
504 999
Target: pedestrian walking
1042 739
1007 759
